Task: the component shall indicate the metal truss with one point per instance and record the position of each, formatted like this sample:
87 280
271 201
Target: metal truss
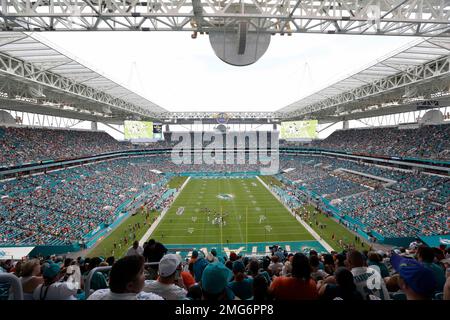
220 117
380 17
34 73
409 77
400 118
42 120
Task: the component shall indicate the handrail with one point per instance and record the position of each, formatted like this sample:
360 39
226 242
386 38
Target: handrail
87 283
15 284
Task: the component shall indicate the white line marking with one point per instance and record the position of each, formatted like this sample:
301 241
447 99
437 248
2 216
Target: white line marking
304 224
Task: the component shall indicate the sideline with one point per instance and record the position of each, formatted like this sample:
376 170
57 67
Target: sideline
152 228
304 224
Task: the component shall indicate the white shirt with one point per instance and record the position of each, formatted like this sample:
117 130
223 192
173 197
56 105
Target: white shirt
275 267
56 291
106 294
135 252
75 277
167 291
367 283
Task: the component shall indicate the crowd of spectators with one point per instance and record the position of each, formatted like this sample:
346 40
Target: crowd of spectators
29 145
411 204
62 207
151 273
428 141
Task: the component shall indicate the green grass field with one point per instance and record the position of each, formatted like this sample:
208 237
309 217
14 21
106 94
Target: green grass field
271 180
333 227
253 214
176 182
106 247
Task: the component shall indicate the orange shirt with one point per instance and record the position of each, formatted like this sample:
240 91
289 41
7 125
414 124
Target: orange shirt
188 279
290 288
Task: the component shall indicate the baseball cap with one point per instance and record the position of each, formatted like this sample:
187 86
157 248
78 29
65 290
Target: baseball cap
168 264
194 254
214 252
51 270
215 278
238 266
415 274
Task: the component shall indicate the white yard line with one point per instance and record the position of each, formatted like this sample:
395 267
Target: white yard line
304 224
149 232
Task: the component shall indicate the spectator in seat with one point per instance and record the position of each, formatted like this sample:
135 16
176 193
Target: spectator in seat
300 286
242 285
368 281
126 282
31 278
219 258
199 266
52 289
194 257
344 288
98 280
169 284
214 283
254 270
153 252
374 259
260 288
447 287
339 260
275 266
136 249
317 274
328 263
415 280
73 273
426 256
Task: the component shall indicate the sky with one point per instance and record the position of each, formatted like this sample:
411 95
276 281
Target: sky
183 74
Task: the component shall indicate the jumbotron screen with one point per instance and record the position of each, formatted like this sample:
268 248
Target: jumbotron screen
138 130
299 129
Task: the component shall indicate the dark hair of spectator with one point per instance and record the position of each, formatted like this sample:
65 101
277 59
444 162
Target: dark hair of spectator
300 266
124 271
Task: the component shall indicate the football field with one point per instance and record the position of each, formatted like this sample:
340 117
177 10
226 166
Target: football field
227 210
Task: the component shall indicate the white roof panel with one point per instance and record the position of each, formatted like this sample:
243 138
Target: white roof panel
37 50
415 53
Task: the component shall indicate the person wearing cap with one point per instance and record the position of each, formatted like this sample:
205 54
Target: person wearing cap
214 283
416 280
52 289
242 285
126 281
169 284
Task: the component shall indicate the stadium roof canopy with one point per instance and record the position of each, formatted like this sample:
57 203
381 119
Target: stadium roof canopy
414 77
37 77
